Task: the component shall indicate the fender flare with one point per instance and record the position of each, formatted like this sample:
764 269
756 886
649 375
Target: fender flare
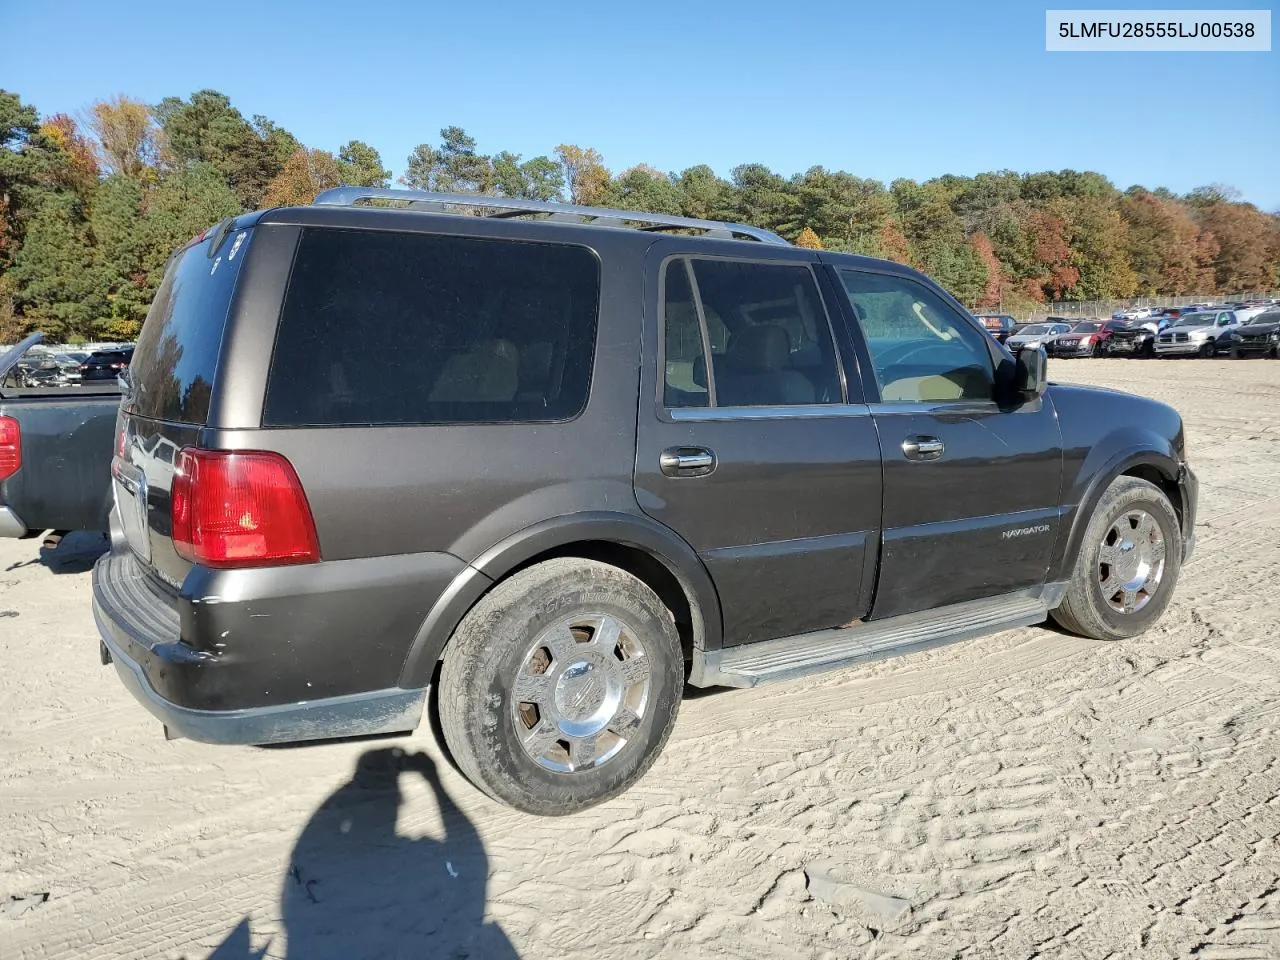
658 541
1115 466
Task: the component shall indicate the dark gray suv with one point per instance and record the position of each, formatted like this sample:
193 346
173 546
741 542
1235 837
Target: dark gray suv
559 460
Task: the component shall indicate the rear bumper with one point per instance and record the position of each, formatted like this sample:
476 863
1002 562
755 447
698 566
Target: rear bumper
359 714
11 524
270 655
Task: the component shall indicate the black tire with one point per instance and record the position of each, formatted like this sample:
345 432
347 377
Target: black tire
487 652
1085 609
1209 349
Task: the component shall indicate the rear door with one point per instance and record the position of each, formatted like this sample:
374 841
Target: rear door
971 488
169 384
753 443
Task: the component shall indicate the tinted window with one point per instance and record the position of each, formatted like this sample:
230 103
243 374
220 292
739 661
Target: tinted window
922 349
173 365
685 376
768 332
382 328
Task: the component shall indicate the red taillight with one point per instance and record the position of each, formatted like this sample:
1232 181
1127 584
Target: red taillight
124 432
10 447
235 508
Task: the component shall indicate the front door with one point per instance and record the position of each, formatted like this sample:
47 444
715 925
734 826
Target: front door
971 487
749 445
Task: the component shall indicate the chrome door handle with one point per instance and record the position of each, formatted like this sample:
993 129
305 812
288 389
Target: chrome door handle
923 448
687 461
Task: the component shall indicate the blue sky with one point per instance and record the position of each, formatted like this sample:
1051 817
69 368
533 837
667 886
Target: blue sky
884 89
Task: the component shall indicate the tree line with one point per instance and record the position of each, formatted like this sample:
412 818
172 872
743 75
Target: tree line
91 207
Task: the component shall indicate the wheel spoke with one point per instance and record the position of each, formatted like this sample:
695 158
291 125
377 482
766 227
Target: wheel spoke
635 670
582 751
532 688
1146 527
624 723
1130 599
560 642
1110 586
1109 553
606 636
539 740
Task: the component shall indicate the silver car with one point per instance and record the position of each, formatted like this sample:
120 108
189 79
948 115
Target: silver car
1036 335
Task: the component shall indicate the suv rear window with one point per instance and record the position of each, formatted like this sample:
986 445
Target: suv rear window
381 327
174 362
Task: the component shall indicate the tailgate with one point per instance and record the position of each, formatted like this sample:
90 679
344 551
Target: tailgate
63 483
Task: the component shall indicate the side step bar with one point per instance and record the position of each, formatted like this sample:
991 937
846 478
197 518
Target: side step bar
790 657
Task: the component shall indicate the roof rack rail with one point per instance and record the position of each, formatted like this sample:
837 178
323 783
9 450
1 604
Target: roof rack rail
507 207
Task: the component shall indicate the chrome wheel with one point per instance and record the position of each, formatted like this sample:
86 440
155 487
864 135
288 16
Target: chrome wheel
1131 561
580 693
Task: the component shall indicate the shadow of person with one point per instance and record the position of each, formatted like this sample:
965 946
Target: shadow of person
354 887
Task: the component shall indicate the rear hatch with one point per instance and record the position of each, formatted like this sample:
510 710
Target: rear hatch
168 389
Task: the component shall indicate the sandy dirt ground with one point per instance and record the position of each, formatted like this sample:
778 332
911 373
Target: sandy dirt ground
1028 794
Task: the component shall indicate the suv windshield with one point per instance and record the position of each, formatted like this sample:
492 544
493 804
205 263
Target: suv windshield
1034 330
1086 326
1272 317
1195 320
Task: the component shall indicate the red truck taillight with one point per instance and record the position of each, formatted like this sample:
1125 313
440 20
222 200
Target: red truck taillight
10 447
237 508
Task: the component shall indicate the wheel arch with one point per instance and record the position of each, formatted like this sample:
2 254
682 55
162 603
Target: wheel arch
652 553
1149 463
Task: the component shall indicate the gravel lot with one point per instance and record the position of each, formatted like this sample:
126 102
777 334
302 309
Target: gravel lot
1026 794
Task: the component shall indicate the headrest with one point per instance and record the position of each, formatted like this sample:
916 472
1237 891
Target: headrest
759 349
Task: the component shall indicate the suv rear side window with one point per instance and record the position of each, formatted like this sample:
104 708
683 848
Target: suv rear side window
766 330
408 328
173 365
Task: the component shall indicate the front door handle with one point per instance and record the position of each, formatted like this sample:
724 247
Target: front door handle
687 461
923 448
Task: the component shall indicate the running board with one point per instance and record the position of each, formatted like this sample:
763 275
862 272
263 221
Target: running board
767 661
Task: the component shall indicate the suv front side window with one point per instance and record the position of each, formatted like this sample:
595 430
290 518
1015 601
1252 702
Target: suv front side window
763 326
922 349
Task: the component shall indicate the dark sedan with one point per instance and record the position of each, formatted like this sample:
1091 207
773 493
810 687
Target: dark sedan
106 364
1088 338
1260 337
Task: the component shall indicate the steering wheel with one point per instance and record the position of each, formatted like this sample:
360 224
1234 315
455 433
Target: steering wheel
898 354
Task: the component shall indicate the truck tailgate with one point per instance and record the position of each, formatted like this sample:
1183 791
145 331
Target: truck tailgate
64 482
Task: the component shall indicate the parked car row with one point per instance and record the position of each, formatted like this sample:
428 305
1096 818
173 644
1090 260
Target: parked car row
1202 330
41 367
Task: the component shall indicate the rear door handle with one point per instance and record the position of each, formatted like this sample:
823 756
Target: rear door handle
687 461
923 448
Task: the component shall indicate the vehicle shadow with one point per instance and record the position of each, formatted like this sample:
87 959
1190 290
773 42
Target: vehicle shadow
354 887
76 552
